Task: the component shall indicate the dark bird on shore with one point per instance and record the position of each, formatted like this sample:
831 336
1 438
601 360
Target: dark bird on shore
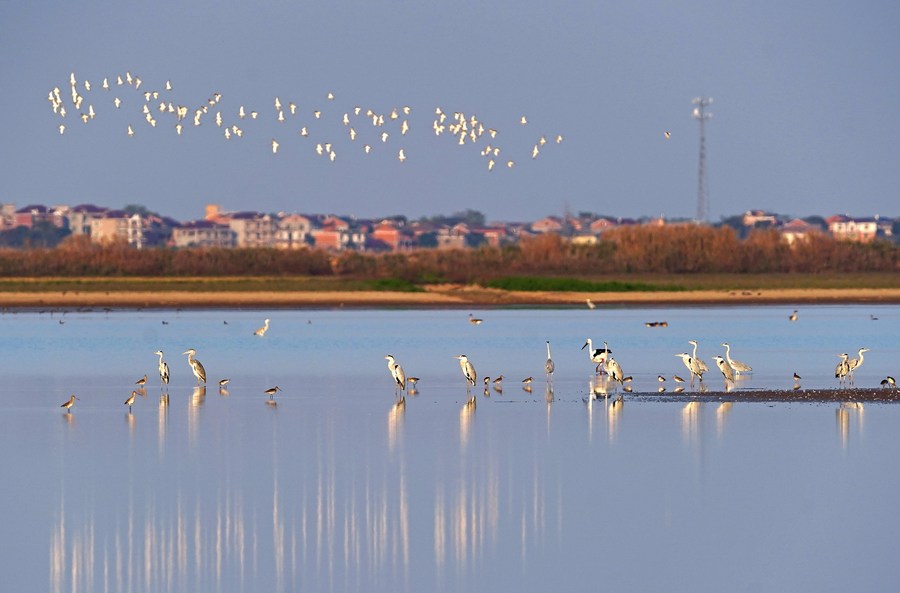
888 382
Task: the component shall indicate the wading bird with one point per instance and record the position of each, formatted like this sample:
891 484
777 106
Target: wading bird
396 372
142 381
68 405
888 382
700 364
793 316
262 330
725 368
855 363
224 382
272 391
475 320
737 365
467 369
163 368
614 370
692 367
842 369
597 356
130 401
196 367
549 366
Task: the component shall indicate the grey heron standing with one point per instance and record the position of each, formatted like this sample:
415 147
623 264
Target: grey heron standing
727 370
700 364
738 366
855 363
614 370
396 372
692 367
549 366
842 369
468 370
163 369
196 367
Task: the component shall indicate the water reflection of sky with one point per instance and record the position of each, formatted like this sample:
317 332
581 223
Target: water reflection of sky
341 487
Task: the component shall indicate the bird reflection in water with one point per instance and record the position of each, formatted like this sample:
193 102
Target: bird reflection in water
690 421
198 396
613 414
843 414
466 414
599 386
395 421
721 414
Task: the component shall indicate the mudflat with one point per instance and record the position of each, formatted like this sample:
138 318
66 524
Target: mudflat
432 296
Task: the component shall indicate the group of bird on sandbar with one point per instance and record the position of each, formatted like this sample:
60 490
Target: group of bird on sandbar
314 127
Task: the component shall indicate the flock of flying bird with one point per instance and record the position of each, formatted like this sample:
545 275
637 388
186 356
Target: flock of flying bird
605 365
365 127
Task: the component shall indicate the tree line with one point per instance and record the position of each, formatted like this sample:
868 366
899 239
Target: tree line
678 249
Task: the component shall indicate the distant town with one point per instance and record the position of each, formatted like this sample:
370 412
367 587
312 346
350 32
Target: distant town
37 225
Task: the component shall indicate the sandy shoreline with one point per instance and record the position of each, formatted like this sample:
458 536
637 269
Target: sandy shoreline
438 296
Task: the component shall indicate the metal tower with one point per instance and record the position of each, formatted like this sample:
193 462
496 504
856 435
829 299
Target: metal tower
701 115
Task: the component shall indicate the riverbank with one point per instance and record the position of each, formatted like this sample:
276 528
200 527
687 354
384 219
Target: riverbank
451 296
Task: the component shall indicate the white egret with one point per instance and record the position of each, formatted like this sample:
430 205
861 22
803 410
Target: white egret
549 366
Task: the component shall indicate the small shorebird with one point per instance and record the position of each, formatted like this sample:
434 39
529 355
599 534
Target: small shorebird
68 405
527 380
888 382
498 380
272 391
475 320
413 380
661 379
224 382
793 316
130 401
797 377
142 381
677 379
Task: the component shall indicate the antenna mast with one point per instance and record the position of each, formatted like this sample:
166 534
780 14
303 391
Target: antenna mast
701 115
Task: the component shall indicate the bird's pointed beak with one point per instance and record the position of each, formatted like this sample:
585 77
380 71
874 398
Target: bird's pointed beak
585 346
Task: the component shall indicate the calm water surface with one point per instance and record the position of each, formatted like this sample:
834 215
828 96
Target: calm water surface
339 488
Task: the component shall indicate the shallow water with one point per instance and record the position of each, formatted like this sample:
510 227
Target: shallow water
338 488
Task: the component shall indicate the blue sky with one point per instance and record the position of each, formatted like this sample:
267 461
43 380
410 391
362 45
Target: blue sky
806 112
